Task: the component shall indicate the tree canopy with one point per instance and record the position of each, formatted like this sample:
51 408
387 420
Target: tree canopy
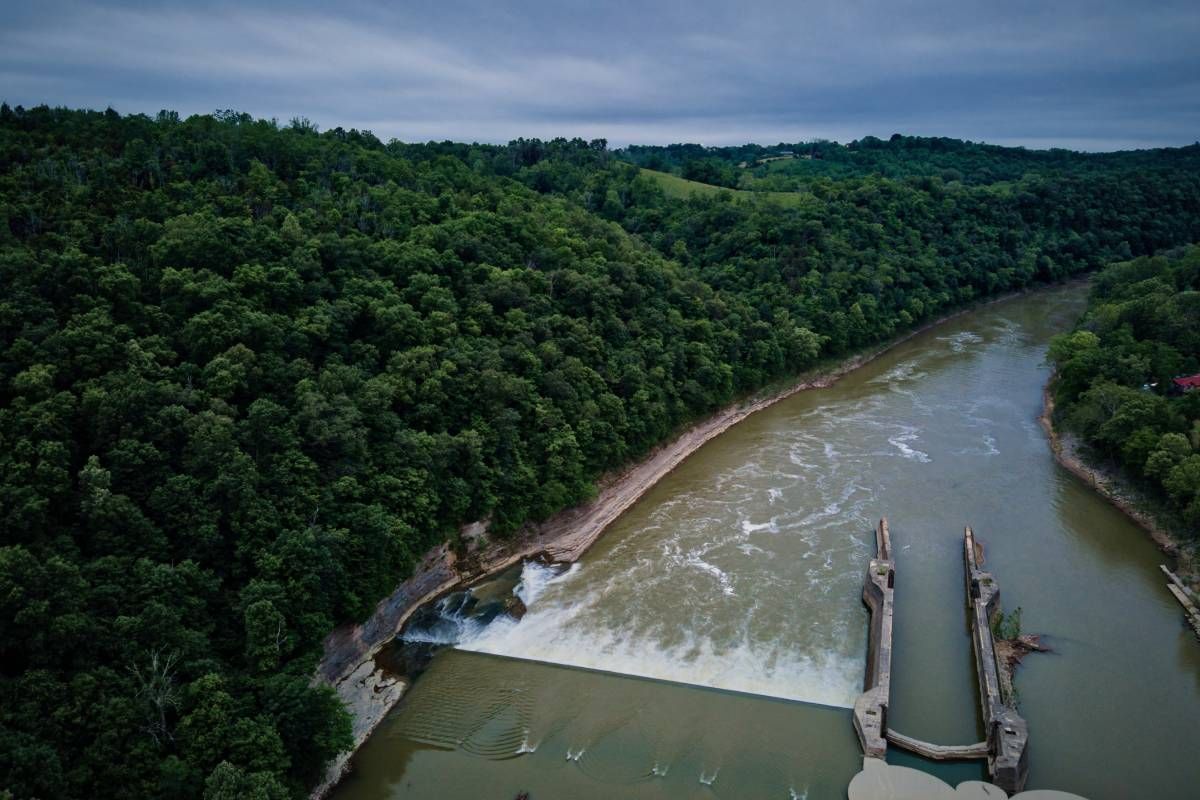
1116 376
250 372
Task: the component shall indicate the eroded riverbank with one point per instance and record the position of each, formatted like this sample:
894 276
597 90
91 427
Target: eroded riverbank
369 690
741 570
1112 487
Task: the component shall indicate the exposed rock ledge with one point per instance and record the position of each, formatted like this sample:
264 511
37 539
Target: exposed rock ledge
369 691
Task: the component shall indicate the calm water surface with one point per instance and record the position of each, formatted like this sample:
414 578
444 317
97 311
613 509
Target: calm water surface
711 643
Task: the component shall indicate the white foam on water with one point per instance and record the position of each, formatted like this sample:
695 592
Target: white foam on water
830 510
770 669
904 371
722 577
690 595
535 578
464 629
772 526
709 780
962 340
450 627
1010 332
796 456
987 449
901 442
832 513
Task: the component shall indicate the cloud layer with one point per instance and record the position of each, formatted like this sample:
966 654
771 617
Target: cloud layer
1092 75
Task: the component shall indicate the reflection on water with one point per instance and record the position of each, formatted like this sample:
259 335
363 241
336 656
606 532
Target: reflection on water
742 571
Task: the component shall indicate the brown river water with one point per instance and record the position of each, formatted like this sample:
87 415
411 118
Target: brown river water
711 643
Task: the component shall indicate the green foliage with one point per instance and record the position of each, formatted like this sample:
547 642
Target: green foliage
1115 372
682 188
795 167
228 782
249 374
1007 626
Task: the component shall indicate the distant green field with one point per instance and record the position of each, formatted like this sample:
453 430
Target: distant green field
675 186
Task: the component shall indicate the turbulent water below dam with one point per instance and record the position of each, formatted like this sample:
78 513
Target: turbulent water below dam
668 662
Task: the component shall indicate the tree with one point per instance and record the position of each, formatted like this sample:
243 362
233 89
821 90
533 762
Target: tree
227 782
266 635
155 681
250 374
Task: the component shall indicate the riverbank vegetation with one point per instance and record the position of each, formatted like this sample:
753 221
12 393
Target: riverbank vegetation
1116 385
250 372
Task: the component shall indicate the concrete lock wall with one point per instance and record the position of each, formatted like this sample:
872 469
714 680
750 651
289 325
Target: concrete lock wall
870 709
1006 731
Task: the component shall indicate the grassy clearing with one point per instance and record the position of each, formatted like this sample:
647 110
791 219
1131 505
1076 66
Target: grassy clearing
675 186
770 159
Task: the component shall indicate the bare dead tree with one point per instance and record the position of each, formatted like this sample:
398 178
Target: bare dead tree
156 686
280 635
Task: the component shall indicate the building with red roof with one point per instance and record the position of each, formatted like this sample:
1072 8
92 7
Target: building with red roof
1187 383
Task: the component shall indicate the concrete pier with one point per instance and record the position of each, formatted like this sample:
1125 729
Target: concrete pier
1007 732
870 709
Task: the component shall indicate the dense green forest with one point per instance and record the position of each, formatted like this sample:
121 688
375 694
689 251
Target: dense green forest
1115 384
791 167
250 372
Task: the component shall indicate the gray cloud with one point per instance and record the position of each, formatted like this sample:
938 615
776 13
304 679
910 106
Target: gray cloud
1094 75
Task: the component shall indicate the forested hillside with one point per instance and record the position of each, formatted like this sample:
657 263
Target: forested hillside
787 167
1116 372
250 372
870 254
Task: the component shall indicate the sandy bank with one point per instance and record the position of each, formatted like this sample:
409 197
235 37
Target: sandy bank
348 661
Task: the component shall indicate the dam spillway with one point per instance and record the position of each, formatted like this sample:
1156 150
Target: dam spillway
941 431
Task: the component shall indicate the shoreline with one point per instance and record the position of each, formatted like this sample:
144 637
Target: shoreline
1107 484
369 691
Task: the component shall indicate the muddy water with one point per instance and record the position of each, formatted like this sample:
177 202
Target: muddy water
711 642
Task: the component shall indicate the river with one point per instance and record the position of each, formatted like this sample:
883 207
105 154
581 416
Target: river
712 642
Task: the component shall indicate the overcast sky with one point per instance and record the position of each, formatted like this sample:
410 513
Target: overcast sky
1090 75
